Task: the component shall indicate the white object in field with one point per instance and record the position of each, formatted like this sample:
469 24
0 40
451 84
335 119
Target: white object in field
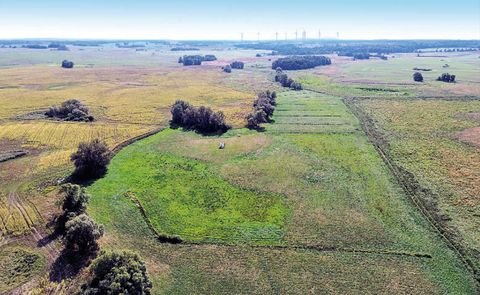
221 145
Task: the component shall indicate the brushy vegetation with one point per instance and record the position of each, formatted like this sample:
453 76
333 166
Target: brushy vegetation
201 119
70 110
285 81
196 60
18 266
118 273
263 108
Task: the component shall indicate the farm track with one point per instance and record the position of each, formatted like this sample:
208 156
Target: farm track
412 188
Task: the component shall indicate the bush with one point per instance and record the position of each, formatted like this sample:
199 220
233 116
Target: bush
70 110
75 199
417 77
82 233
237 65
91 159
118 273
301 62
227 69
296 86
66 64
201 119
447 78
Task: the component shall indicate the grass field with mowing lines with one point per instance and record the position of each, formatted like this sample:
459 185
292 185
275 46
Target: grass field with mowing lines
340 194
422 139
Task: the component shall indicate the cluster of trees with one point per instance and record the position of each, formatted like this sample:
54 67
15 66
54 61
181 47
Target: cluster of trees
185 49
234 65
263 108
418 77
34 46
118 273
58 46
301 62
70 110
195 60
201 119
91 159
285 81
446 77
67 64
80 231
237 65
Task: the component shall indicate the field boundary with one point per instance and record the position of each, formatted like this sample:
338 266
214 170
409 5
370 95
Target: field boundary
413 189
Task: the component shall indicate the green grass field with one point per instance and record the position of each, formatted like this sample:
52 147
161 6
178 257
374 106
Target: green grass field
326 190
306 206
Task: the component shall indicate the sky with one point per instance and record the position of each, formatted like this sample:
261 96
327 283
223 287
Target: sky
227 20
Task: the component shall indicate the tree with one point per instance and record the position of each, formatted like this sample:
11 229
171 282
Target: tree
237 65
201 119
417 77
118 273
66 64
82 233
180 60
296 86
91 159
227 69
75 199
178 111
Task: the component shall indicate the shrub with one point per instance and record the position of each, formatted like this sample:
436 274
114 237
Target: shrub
237 65
118 273
70 110
285 81
447 78
227 69
66 64
75 199
82 233
296 86
91 159
417 77
201 119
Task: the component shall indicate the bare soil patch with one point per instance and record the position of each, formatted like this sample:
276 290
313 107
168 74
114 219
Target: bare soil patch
470 136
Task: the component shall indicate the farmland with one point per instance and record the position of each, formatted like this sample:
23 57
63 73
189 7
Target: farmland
305 205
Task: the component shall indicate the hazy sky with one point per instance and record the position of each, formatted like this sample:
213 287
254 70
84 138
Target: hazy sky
216 19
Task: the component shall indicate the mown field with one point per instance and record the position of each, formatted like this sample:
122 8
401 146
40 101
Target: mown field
305 207
435 140
338 211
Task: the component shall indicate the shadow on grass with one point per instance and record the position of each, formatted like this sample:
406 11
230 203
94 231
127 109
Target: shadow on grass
70 263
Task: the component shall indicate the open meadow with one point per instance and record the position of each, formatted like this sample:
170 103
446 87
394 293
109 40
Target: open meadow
311 203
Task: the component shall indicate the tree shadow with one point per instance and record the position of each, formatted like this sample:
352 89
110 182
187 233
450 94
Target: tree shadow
70 263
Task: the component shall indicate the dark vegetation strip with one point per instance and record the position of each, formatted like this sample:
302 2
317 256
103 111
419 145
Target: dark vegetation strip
177 240
10 155
422 198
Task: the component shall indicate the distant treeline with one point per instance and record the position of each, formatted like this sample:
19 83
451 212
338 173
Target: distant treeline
185 49
301 62
344 47
195 60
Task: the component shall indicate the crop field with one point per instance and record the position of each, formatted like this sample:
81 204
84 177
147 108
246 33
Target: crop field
305 205
325 201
